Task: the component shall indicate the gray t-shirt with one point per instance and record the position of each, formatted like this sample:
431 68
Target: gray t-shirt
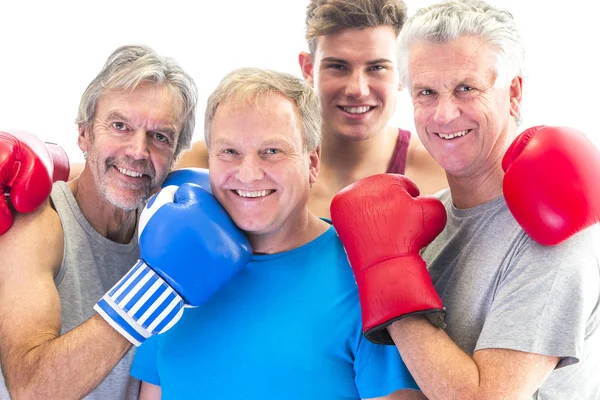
503 290
91 265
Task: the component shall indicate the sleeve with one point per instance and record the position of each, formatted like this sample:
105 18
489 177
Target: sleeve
379 370
545 299
144 365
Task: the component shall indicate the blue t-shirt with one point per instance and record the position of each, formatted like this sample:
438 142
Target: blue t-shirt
287 327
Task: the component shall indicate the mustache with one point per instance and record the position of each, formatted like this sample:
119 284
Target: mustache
143 166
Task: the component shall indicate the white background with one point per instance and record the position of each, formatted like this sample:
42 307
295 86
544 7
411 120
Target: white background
51 50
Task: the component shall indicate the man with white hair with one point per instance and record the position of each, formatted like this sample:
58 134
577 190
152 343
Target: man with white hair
519 285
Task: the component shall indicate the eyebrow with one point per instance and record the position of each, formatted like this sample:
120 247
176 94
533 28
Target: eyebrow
222 142
342 61
117 115
379 61
266 142
277 142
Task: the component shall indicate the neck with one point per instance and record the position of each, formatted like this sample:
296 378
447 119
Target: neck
345 161
486 184
306 228
468 192
110 221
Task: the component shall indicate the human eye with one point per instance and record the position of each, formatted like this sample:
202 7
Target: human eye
160 137
120 126
336 66
272 151
464 88
377 68
425 92
227 154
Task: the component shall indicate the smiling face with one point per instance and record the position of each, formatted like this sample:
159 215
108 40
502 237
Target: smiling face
131 143
464 121
353 71
259 169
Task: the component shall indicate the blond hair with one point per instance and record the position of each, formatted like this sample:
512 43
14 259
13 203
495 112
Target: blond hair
247 84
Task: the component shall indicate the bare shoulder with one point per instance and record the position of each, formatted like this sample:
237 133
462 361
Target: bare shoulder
196 157
75 170
423 169
33 235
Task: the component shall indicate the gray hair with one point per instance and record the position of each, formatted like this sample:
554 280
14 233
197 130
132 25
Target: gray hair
246 84
127 68
449 20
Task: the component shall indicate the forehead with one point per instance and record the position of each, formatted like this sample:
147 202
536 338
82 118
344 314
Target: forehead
148 103
465 58
255 120
358 44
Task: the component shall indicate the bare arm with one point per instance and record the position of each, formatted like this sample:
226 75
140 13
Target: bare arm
196 157
422 168
149 391
443 371
31 351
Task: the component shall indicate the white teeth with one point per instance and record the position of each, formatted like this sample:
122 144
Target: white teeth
259 193
453 135
357 110
129 172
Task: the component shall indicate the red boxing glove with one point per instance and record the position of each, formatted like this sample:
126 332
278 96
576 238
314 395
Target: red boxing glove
60 161
551 183
383 226
27 169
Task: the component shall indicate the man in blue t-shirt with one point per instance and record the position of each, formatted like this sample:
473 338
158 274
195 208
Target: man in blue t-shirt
289 324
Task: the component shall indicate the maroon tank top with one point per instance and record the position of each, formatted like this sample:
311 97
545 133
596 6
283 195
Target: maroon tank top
398 162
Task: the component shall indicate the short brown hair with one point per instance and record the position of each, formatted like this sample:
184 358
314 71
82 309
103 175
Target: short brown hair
324 17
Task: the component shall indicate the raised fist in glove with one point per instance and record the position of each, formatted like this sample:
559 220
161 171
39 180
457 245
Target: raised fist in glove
28 167
383 225
551 183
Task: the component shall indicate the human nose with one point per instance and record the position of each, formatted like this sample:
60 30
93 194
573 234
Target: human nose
446 110
137 148
249 170
357 86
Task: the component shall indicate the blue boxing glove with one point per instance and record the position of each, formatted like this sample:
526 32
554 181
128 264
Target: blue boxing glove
189 248
199 176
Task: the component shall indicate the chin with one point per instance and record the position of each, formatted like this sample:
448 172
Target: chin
359 133
249 227
255 226
127 203
355 135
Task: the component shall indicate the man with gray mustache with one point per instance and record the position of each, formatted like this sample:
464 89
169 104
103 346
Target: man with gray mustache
134 119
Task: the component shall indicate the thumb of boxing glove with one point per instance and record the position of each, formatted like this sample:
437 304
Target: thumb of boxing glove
198 176
60 162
